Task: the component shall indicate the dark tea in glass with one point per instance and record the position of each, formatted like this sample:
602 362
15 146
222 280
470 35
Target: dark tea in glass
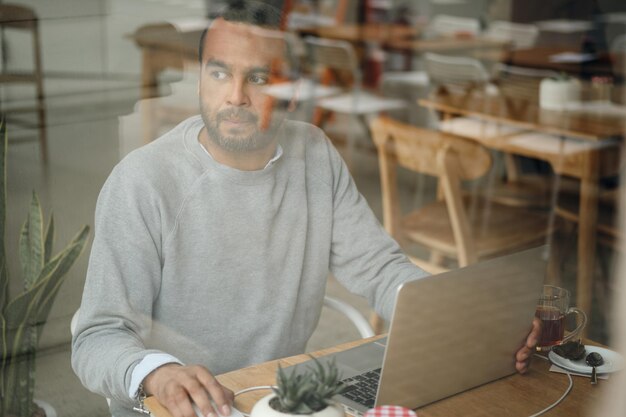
552 308
553 325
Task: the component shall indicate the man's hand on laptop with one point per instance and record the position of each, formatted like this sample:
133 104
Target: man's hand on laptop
522 357
176 387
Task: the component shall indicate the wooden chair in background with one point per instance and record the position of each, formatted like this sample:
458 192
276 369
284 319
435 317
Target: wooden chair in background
456 227
24 19
467 75
337 63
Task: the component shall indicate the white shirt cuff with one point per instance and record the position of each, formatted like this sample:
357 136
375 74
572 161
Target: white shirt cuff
148 364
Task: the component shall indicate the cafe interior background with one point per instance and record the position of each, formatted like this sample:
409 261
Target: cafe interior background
103 92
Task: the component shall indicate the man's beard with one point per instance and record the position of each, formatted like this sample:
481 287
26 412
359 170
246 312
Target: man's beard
254 141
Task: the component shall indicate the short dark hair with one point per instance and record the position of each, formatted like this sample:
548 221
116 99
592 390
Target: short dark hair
266 14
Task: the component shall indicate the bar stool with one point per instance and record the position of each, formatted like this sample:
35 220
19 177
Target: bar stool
23 18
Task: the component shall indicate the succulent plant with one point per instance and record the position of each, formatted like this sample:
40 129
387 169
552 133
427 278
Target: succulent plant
309 392
22 318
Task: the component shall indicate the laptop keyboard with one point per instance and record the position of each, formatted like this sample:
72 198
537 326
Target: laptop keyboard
362 388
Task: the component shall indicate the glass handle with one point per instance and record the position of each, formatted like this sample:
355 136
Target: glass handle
581 323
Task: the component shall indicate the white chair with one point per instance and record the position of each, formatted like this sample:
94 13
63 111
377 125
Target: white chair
460 73
339 56
447 71
441 25
446 25
519 35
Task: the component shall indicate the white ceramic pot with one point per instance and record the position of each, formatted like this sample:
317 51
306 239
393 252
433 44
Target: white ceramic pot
556 94
262 409
47 408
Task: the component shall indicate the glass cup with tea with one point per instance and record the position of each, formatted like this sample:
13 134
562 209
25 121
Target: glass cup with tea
552 309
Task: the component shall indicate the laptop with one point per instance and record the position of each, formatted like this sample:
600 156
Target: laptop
449 332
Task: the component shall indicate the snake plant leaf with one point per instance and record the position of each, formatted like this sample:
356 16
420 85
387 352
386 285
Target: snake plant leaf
3 361
32 244
4 278
29 307
55 277
49 241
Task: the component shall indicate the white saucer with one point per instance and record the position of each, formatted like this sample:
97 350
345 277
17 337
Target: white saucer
613 361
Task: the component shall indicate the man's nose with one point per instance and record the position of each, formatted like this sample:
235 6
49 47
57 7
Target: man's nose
238 94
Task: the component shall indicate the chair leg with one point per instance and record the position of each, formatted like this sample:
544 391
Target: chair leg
41 104
43 130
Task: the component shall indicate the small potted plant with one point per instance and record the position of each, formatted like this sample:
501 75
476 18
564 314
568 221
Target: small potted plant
309 393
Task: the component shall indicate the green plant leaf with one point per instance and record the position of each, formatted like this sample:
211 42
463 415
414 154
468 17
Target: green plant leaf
49 241
35 257
24 247
57 275
3 361
4 278
32 307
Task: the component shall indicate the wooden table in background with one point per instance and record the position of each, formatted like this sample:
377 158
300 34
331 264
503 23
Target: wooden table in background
542 57
383 34
164 46
588 166
448 44
515 395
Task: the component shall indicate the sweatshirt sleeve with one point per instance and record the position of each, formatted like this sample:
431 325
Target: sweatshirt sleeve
364 258
123 279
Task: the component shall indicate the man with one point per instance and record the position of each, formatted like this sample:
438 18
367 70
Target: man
214 242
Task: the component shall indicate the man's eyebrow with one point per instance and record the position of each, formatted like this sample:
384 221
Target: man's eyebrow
265 69
212 62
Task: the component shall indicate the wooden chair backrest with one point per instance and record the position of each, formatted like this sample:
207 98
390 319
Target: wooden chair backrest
522 83
417 149
448 71
332 53
18 17
449 158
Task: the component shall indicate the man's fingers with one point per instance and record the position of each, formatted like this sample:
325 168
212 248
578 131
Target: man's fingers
179 388
177 401
521 367
216 392
200 397
523 354
534 335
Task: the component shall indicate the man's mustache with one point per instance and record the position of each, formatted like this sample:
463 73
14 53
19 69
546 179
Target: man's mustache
236 114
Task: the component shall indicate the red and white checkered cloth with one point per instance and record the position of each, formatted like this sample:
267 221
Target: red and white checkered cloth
390 411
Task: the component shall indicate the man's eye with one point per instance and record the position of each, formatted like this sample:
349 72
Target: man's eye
219 75
258 79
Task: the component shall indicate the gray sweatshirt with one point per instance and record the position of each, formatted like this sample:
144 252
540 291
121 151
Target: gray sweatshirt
221 267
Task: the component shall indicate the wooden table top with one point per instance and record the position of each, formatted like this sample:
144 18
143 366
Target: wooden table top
526 114
450 43
542 57
169 37
382 33
515 395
